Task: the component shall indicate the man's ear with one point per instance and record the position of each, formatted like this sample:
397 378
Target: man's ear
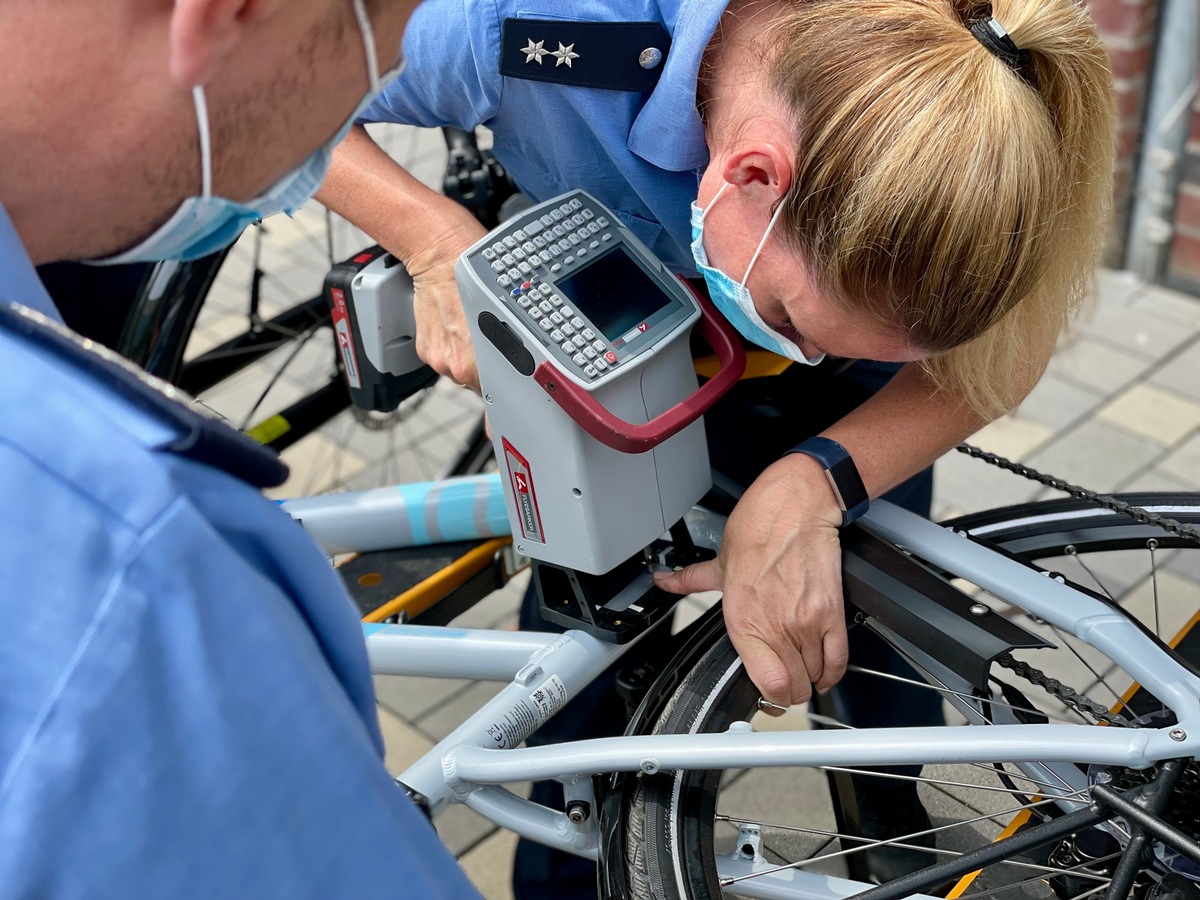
762 167
205 32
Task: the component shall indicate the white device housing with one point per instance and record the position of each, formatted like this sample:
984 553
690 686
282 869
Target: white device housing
574 500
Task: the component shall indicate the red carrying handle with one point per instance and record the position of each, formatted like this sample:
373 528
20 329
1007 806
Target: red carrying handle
626 437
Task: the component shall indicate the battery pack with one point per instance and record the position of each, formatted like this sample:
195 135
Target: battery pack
370 297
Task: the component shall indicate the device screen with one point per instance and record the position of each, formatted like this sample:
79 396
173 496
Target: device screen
615 293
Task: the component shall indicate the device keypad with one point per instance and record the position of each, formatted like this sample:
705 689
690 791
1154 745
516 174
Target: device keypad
561 237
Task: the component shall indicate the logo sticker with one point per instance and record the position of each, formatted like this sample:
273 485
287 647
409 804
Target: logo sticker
524 496
345 337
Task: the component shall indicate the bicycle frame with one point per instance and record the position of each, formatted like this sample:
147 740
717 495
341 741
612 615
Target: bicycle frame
470 765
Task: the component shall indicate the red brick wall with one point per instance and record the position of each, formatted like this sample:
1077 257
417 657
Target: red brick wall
1184 261
1128 30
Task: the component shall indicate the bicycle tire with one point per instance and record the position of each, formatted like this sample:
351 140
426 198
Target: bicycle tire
670 817
285 346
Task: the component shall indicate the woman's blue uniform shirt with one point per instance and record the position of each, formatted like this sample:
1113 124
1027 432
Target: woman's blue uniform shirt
638 155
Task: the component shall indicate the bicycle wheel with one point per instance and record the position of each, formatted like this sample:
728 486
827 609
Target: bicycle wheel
682 826
248 332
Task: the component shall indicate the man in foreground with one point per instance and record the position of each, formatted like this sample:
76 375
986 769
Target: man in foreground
185 708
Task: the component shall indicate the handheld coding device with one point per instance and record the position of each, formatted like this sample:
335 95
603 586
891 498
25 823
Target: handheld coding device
581 336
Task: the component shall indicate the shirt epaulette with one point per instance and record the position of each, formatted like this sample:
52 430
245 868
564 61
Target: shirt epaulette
202 436
611 56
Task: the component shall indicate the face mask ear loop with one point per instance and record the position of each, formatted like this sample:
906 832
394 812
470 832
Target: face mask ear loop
368 36
713 201
762 243
206 175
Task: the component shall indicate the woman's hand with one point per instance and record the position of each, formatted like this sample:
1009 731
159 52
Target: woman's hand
424 230
780 571
443 339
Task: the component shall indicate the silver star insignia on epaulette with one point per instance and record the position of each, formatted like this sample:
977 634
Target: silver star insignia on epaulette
535 51
564 55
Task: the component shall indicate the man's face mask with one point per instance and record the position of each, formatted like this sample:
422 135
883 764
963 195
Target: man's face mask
733 298
205 224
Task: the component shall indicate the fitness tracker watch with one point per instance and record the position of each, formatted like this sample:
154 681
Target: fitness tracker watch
843 475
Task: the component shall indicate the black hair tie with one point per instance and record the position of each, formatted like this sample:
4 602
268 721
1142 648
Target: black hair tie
992 35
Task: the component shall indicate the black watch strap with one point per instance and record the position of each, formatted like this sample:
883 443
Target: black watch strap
843 475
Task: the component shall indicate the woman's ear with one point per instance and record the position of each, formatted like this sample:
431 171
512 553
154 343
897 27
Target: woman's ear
205 32
762 167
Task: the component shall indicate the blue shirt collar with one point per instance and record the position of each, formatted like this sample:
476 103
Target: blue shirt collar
19 282
668 132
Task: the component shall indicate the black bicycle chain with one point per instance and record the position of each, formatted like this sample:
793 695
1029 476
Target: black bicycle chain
1064 692
1067 694
1106 501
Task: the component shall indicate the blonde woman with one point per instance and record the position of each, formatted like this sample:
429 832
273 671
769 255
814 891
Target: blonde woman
918 182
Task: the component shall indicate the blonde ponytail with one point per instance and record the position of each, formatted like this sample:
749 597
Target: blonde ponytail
939 188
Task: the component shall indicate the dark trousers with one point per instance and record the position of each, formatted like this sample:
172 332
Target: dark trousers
749 428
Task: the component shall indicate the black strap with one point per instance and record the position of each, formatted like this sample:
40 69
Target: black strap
611 56
201 436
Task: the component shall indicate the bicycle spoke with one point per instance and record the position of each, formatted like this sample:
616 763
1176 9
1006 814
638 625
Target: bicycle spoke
922 779
1152 545
1035 880
1071 551
1068 642
942 689
901 844
276 376
902 839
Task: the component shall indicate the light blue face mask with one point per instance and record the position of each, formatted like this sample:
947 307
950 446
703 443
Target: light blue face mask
734 300
204 224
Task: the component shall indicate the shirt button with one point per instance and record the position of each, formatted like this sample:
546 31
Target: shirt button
650 58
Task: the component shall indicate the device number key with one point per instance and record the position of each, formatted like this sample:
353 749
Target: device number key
579 359
510 241
577 322
546 307
556 318
589 352
579 342
598 346
546 324
568 329
567 346
557 336
589 334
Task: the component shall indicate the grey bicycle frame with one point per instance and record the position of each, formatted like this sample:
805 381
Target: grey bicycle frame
465 768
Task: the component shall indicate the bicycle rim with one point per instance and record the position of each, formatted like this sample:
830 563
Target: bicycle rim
683 828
